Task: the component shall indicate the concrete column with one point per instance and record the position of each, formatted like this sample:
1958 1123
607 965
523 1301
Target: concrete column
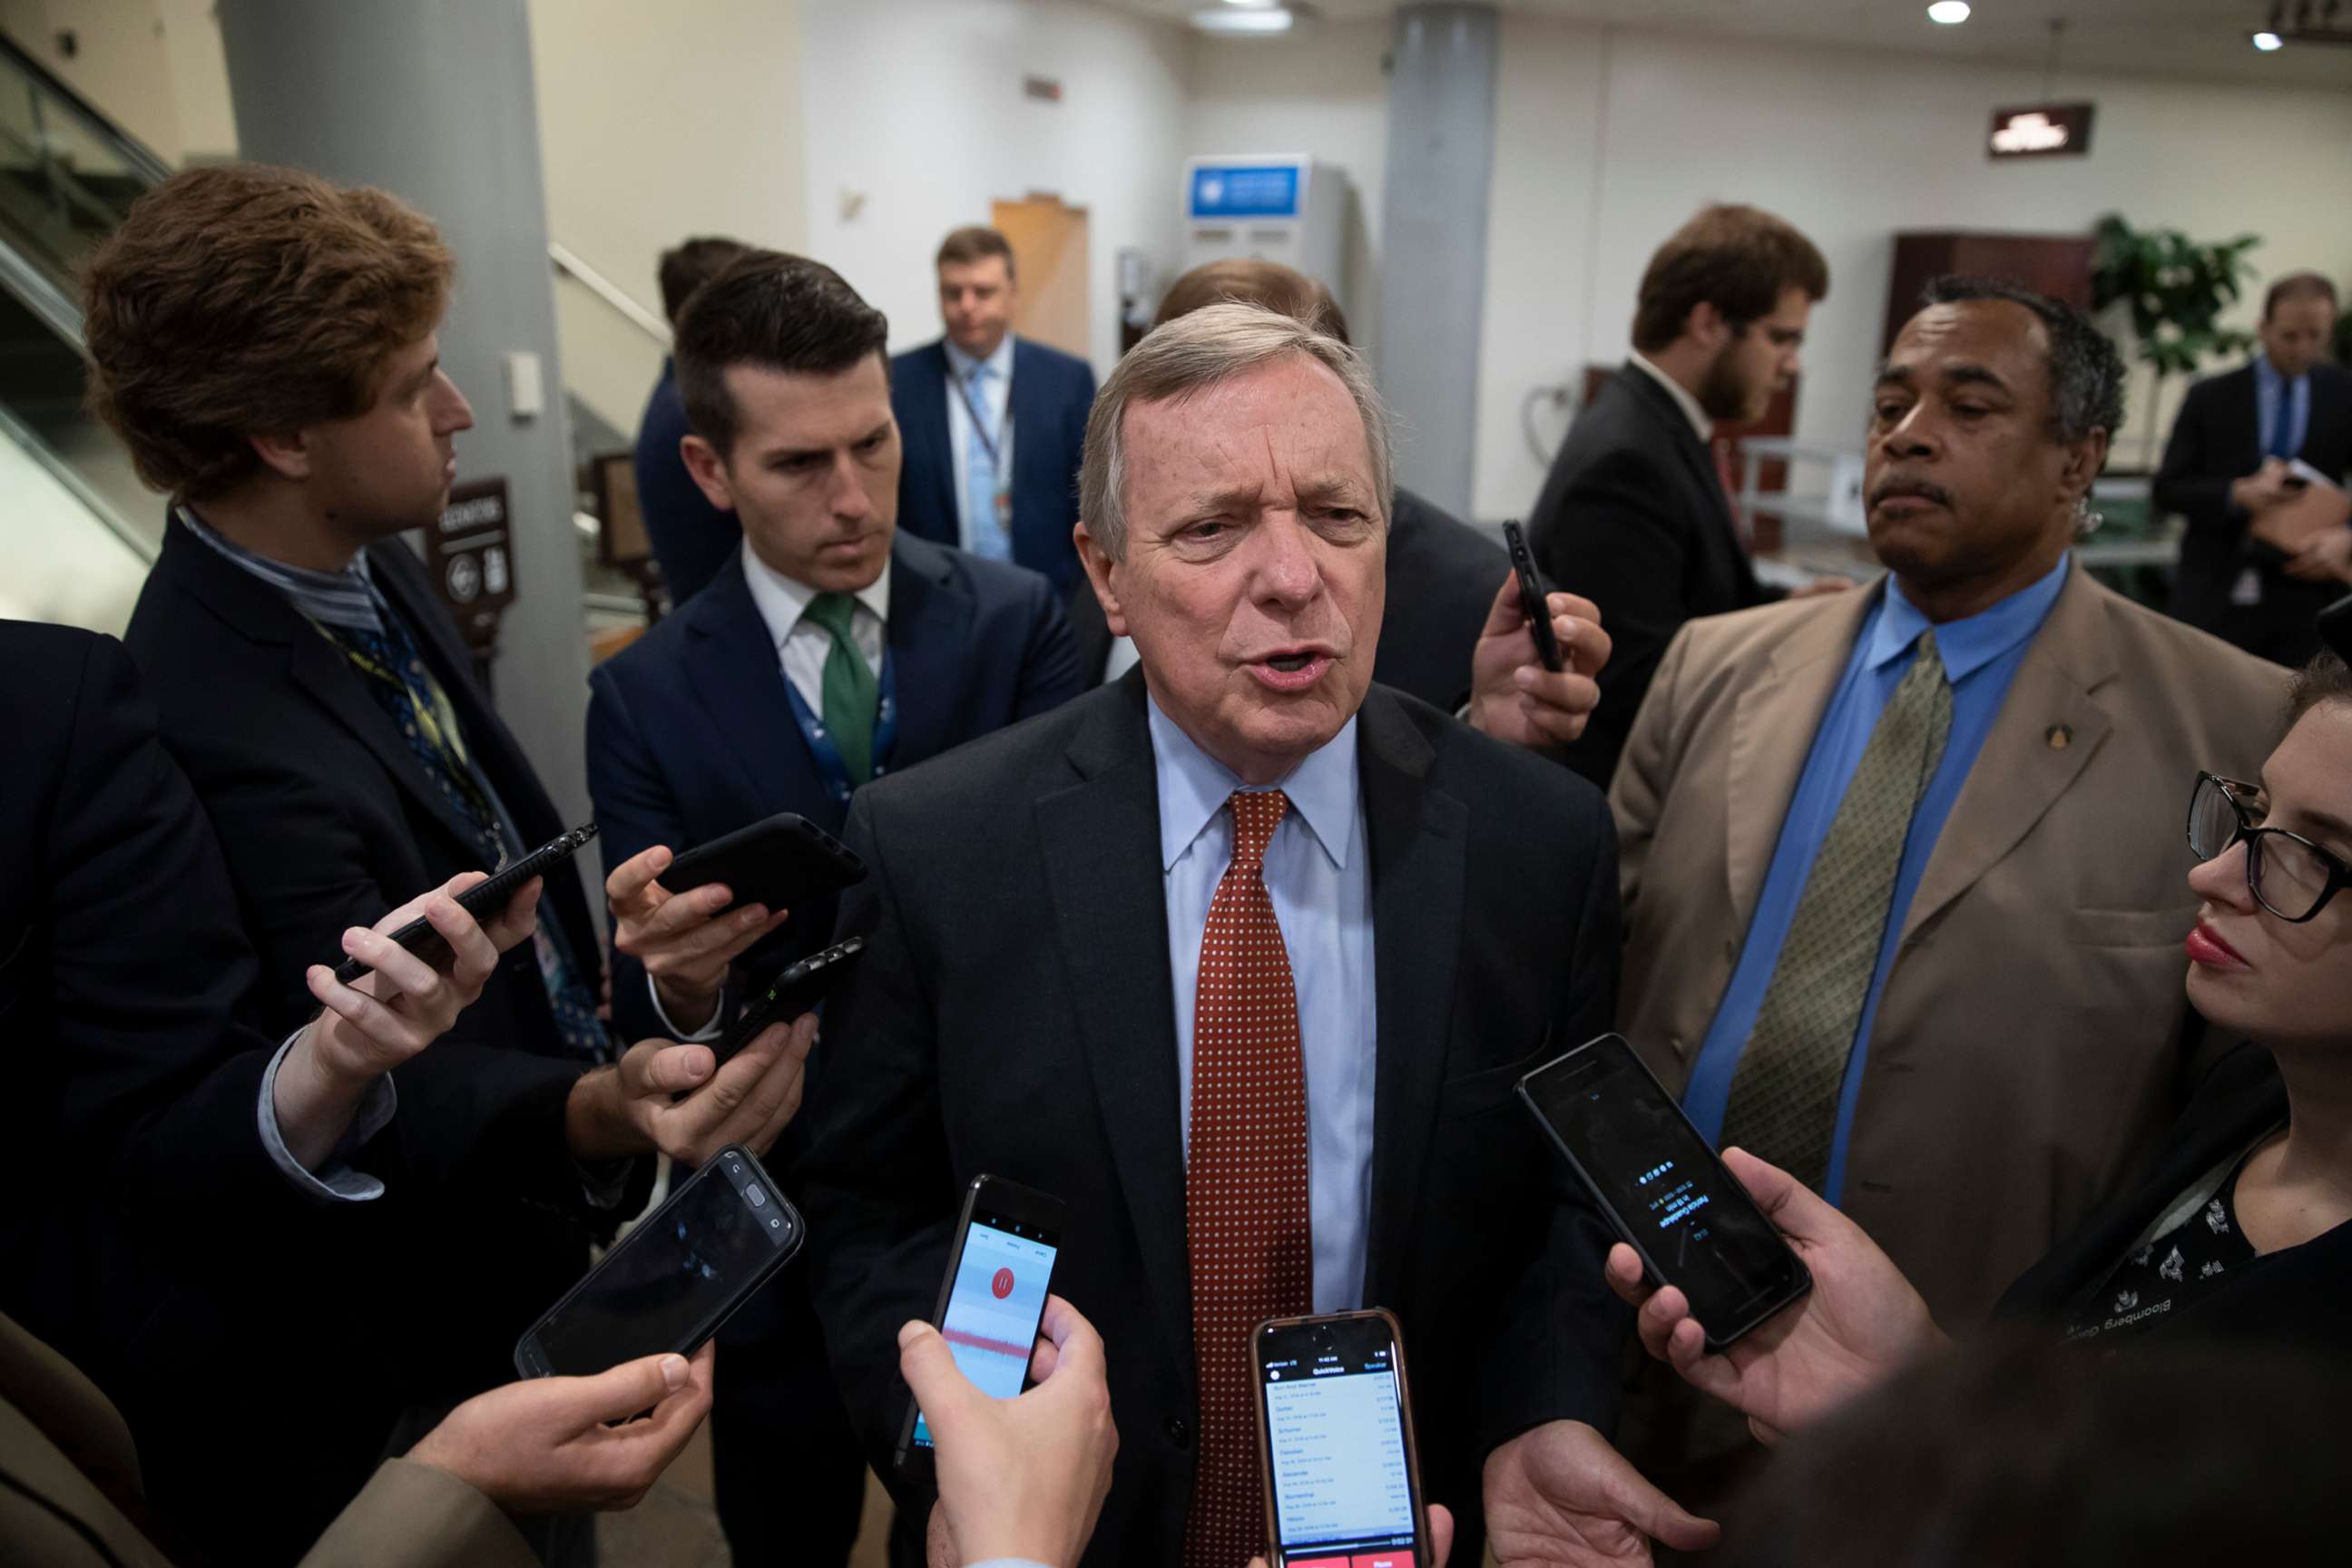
1433 241
433 100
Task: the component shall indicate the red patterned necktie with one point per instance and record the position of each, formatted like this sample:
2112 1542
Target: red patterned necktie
1245 1212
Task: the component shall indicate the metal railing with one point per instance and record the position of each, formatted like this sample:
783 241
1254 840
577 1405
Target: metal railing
569 265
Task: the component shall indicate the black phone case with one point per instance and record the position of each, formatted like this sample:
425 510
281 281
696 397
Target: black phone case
483 898
530 1364
1800 1277
1533 597
792 994
1421 1542
778 861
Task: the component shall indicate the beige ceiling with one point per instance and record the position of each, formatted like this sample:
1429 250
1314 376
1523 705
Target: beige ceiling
2201 40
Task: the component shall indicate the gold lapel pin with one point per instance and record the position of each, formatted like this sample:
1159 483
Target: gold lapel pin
2061 736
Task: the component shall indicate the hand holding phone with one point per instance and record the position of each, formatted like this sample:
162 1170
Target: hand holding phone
1020 1477
482 900
792 994
1534 597
1861 1323
1336 1445
1513 696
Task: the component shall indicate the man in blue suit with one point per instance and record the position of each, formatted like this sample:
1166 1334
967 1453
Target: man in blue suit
831 649
992 424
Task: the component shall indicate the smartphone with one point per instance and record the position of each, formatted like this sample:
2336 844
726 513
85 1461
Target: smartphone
1000 1268
1335 1441
679 1274
481 901
780 861
792 994
1662 1188
1534 601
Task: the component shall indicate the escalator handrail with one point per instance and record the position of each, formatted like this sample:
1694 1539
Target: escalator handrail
141 158
33 288
15 430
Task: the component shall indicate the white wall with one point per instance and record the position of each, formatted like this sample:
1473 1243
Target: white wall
1607 140
1320 90
914 113
656 124
154 65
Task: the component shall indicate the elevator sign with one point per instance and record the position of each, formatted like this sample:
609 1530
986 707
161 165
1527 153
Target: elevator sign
2040 130
1243 190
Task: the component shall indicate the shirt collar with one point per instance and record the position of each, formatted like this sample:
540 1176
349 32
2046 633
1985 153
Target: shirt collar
1967 645
2268 377
345 599
963 363
1700 424
781 600
1194 787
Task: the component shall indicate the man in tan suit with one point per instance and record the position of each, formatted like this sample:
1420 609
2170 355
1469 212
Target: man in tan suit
1904 868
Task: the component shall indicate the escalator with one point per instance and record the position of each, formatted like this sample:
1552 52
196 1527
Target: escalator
77 527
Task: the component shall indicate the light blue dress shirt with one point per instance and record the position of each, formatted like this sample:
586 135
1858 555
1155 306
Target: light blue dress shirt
979 475
1319 873
1980 655
2276 396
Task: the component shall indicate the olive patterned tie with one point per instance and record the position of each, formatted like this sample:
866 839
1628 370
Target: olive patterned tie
1784 1092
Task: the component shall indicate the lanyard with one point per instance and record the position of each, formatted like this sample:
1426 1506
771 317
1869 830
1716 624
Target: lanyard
819 742
980 423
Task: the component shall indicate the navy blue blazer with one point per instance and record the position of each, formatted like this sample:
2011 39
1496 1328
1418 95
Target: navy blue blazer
1052 394
690 731
691 537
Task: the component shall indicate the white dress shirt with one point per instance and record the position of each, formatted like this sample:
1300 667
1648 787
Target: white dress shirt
1701 426
995 397
1318 874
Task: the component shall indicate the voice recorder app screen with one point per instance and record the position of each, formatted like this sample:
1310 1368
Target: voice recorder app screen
992 1310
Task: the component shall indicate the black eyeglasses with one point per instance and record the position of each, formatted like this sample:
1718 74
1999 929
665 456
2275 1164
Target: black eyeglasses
2288 874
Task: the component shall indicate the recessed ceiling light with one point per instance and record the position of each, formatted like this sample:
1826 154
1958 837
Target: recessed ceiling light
1235 20
1950 13
2266 42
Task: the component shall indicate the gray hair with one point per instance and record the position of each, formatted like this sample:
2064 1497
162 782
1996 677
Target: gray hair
1189 355
2086 374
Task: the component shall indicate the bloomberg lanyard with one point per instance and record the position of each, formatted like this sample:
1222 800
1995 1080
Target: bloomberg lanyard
820 741
994 446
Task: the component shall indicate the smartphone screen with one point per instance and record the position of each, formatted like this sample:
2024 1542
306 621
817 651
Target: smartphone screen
1002 1278
1693 1223
1339 1465
669 1284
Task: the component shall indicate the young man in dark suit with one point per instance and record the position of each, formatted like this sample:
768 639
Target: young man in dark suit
991 423
1633 514
2266 550
831 649
691 539
326 712
1059 919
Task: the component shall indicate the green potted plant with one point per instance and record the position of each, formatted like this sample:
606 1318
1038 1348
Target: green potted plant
2176 290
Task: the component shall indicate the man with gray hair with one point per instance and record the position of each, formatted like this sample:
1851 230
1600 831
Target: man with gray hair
1903 868
1241 956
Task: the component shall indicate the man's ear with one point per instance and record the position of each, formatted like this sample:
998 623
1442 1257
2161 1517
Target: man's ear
2084 458
709 471
1706 326
285 453
1102 574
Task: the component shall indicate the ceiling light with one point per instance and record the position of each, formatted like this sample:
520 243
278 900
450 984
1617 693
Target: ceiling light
1950 13
1271 19
2266 42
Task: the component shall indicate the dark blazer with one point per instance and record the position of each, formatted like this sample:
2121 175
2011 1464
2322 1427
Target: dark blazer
1441 577
327 821
691 537
2300 1294
1633 517
2218 439
1014 1016
690 732
1052 394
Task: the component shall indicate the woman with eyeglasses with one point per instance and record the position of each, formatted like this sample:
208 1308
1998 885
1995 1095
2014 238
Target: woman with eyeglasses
2242 1230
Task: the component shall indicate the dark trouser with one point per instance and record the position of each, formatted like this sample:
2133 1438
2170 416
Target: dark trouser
789 1475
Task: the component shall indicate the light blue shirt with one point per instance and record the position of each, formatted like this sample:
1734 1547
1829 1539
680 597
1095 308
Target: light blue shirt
1318 874
2276 396
977 476
1981 656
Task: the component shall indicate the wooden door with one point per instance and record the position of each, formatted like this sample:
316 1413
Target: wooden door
1051 260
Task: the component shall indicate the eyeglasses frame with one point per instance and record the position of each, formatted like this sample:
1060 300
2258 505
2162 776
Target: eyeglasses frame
2340 874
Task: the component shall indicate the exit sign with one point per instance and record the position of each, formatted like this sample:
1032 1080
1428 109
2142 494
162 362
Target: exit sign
2040 130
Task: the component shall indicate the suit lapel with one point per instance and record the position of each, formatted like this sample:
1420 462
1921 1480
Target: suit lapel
1697 461
928 416
737 677
1772 728
930 636
1419 839
2242 410
1101 843
2020 774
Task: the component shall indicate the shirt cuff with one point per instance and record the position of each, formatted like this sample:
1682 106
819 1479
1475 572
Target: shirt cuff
702 1036
335 1181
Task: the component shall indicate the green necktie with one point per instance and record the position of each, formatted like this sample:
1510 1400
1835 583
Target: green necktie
849 687
1784 1092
